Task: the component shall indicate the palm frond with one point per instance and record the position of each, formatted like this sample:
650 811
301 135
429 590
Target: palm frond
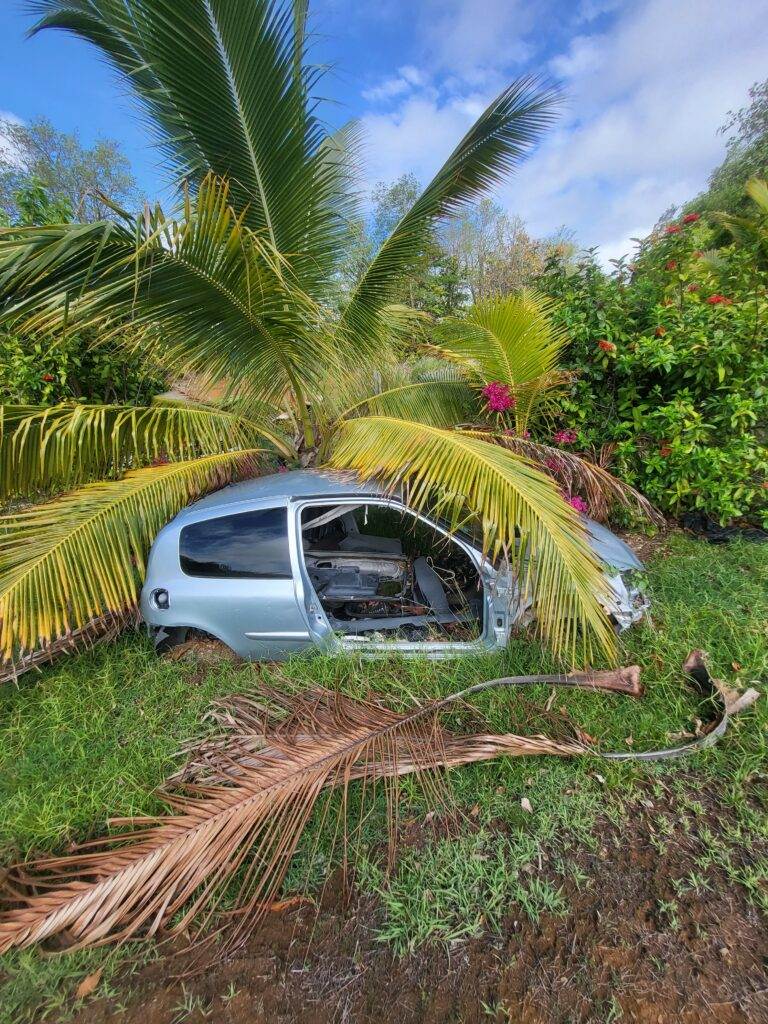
63 446
459 475
578 475
245 811
492 148
225 87
229 306
600 488
511 340
68 561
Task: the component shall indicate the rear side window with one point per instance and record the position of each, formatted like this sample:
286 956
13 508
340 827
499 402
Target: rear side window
249 545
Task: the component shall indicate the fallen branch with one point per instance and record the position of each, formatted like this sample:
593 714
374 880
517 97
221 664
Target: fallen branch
245 799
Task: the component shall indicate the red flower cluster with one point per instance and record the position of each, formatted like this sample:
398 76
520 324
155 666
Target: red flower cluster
660 332
672 229
498 397
567 436
665 450
691 218
47 377
579 504
719 300
606 346
670 265
692 287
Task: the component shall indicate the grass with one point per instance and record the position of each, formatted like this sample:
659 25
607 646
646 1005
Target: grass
94 735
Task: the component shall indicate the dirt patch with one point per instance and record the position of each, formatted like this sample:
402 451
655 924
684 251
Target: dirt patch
633 947
649 547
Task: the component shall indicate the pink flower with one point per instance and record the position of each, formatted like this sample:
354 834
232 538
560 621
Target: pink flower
282 469
567 436
691 218
498 397
579 504
513 433
552 464
717 300
672 229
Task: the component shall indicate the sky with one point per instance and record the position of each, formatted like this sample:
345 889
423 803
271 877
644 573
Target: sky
648 83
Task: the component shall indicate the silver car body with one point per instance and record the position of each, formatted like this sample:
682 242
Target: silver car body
273 618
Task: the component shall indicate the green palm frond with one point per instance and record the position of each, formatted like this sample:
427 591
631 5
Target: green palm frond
66 562
225 87
511 340
521 512
63 446
492 148
229 306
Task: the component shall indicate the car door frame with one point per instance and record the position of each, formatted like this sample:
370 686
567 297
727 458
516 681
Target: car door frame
496 590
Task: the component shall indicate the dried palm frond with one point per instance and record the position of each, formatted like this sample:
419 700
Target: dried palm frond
599 487
245 812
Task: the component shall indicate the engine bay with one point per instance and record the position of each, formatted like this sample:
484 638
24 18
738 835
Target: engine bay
383 574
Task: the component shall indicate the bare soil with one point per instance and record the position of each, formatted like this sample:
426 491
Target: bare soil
616 956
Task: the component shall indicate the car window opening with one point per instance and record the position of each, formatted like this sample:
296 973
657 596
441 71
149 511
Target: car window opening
382 574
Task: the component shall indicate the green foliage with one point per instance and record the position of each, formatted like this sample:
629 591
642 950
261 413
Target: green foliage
74 366
684 393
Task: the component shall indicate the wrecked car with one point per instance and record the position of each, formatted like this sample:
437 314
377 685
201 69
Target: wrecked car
293 561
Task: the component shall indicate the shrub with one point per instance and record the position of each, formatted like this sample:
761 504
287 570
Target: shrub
672 368
73 367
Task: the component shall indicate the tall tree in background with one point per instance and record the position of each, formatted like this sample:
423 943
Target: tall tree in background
493 252
747 157
72 175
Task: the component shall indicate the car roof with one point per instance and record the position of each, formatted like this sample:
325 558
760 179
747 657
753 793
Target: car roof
300 483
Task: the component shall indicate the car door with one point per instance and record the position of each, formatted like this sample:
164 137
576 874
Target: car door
239 583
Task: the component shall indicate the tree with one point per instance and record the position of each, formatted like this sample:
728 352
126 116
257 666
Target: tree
747 157
494 253
234 288
71 175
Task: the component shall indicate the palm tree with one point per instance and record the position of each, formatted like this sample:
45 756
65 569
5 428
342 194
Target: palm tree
236 286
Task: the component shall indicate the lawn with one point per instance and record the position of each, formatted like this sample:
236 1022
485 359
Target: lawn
94 735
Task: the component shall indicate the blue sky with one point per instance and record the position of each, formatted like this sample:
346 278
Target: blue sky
648 84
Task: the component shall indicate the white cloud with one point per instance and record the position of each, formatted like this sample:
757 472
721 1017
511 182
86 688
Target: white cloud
646 95
406 79
416 137
474 38
9 151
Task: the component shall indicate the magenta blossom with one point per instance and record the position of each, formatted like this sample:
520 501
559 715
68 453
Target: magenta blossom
552 464
579 504
498 397
566 436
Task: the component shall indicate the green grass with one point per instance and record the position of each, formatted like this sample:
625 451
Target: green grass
94 735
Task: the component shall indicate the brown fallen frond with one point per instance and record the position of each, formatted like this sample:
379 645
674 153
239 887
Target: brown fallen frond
578 475
102 629
248 812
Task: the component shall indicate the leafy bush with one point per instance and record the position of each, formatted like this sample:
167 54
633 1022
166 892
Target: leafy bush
672 368
73 367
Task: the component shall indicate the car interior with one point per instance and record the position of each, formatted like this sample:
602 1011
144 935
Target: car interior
381 573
